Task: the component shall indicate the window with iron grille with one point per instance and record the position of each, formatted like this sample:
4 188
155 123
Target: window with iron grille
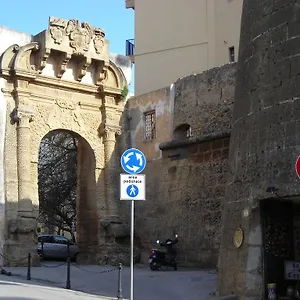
150 128
231 54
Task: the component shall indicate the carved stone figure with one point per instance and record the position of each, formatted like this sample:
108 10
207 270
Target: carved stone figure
80 35
57 29
99 40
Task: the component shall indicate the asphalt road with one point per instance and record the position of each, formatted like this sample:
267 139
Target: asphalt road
184 284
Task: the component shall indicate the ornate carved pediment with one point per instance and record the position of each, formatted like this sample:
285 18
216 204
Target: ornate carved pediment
66 53
74 37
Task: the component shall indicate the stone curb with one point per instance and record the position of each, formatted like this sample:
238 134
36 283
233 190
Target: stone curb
229 297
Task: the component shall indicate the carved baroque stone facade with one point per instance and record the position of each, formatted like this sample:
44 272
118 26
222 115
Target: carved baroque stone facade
62 80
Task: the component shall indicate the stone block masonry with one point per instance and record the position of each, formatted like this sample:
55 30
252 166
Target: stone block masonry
186 176
186 195
264 143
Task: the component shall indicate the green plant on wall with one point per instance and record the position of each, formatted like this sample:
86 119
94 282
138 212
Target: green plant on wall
124 92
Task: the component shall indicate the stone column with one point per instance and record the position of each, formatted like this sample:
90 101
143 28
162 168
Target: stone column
21 238
110 171
24 171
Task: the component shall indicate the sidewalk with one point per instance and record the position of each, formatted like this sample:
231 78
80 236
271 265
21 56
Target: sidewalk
22 291
88 279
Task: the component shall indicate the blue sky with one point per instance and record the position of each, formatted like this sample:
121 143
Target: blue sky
31 16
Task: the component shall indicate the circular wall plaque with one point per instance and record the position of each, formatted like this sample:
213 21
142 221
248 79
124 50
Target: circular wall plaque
238 238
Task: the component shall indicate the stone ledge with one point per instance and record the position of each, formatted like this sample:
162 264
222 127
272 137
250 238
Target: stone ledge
193 140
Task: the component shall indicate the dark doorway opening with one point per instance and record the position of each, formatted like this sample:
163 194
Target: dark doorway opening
57 178
281 240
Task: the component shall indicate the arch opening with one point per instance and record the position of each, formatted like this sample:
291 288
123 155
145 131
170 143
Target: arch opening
182 131
67 188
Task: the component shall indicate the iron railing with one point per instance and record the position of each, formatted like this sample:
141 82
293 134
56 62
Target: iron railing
130 47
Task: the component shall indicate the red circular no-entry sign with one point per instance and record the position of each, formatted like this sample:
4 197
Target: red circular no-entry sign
297 166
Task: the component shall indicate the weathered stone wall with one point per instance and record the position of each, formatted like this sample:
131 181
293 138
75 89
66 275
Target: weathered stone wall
204 101
265 137
186 181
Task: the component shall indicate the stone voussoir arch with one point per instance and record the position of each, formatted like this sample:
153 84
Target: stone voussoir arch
62 80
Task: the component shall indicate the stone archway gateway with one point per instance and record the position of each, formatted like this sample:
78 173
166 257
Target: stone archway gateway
62 80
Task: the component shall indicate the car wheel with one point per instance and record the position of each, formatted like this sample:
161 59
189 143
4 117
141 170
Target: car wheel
41 256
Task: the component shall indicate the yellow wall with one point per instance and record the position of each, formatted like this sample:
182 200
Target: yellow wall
227 24
160 69
175 38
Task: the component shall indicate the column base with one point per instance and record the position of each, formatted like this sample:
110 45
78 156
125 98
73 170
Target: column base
113 245
105 255
16 254
21 240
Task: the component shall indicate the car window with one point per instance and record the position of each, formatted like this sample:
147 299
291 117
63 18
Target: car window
46 239
61 240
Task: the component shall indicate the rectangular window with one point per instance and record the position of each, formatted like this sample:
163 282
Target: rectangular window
150 128
231 54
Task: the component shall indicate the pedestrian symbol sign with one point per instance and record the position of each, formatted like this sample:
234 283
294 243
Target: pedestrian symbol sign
132 191
133 161
132 187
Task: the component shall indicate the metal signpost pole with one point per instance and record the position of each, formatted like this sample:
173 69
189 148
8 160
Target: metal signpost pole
131 250
132 187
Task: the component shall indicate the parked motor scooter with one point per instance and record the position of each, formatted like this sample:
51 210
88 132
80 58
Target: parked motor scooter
164 258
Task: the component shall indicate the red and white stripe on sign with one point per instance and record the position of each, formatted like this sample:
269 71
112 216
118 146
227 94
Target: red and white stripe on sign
298 166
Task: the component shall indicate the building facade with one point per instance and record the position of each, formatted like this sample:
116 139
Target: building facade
174 39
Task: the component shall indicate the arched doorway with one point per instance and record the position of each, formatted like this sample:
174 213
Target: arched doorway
67 188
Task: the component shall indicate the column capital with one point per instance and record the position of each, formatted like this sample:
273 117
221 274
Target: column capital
24 114
109 131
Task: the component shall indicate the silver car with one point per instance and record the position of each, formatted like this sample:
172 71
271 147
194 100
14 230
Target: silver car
56 247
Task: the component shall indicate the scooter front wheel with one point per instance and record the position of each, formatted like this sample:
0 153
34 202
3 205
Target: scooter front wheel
154 266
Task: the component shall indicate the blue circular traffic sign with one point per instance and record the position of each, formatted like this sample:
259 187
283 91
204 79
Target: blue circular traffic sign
132 190
133 161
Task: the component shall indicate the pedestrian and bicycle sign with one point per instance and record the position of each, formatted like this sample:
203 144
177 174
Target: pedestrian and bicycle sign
132 187
133 161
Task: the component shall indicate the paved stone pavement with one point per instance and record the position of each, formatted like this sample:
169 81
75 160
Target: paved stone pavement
22 291
184 284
